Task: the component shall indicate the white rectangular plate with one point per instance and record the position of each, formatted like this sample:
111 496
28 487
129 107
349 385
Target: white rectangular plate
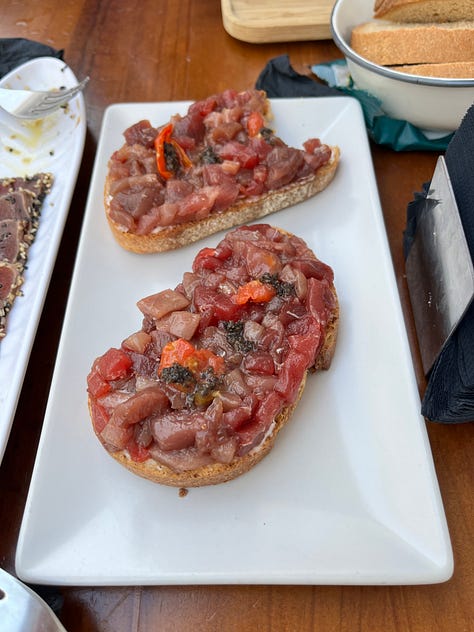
53 144
347 496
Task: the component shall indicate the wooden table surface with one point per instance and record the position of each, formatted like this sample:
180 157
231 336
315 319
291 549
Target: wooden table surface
163 50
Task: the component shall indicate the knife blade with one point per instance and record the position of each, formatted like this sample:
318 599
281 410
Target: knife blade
439 269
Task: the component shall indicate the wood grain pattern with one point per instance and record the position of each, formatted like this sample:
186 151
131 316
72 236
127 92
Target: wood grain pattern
167 50
263 21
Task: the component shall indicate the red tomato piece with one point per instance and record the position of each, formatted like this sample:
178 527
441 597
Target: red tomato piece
205 259
137 452
211 258
290 377
114 364
255 122
260 362
96 385
222 307
311 145
244 154
163 138
99 416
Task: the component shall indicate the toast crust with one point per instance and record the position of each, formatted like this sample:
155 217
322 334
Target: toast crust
217 473
242 212
212 474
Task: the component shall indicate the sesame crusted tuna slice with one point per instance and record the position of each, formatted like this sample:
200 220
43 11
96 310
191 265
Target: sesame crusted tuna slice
21 201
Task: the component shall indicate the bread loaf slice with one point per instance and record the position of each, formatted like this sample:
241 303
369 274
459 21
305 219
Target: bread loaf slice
216 166
424 10
454 70
390 43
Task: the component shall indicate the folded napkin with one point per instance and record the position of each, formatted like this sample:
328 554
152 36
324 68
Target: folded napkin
449 396
279 79
15 51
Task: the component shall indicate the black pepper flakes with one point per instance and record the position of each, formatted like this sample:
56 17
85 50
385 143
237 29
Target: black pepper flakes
282 288
177 374
172 161
235 336
209 156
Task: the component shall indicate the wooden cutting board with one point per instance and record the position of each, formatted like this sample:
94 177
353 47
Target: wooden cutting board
260 21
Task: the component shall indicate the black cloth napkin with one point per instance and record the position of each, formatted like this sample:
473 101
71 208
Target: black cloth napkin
449 396
279 79
15 51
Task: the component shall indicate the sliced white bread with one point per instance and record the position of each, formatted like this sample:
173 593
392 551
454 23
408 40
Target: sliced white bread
390 43
450 70
424 10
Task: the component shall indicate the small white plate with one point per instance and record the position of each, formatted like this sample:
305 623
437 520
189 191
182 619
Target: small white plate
53 144
348 495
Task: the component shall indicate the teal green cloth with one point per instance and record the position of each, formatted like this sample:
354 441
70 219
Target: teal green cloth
383 130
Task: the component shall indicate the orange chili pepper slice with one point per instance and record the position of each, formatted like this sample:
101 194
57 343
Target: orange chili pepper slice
162 139
183 352
176 351
183 156
255 291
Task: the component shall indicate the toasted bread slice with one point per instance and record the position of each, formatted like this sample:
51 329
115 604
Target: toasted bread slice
218 472
209 170
242 212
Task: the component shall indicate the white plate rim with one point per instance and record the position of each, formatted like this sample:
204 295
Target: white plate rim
24 317
402 555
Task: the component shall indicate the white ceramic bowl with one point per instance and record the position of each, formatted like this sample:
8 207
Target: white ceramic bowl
429 103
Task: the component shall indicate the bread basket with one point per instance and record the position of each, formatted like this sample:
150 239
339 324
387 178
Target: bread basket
429 103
